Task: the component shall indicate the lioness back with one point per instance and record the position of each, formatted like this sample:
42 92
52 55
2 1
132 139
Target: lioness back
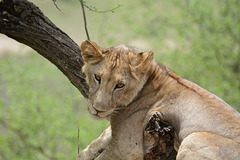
127 86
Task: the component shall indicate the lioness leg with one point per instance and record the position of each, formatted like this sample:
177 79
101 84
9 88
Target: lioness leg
108 154
204 145
96 147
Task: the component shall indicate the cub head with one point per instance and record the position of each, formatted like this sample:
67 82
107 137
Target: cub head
114 75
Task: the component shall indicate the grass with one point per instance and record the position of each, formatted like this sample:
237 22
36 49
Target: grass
41 110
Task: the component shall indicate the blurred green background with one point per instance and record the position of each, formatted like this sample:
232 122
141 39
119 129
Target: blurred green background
40 109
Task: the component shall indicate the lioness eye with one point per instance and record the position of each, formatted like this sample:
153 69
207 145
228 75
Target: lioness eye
98 78
119 85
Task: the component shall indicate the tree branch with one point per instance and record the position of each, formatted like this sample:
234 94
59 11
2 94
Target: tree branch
85 20
24 22
55 4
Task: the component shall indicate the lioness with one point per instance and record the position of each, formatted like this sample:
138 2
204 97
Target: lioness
128 86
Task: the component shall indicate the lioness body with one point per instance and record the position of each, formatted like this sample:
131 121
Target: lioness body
128 88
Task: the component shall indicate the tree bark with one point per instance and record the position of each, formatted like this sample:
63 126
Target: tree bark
23 21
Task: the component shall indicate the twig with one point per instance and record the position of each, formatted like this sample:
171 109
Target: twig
78 139
85 20
55 3
94 9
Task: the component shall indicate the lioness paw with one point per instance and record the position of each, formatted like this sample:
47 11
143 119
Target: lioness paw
89 154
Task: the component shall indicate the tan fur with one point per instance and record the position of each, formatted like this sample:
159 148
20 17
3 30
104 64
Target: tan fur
205 126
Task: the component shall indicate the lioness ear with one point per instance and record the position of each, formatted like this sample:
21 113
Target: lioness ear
91 52
142 61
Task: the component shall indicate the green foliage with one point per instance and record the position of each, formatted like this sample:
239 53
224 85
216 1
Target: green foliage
214 46
40 112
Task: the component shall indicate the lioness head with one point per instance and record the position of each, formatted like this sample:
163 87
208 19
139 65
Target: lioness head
114 75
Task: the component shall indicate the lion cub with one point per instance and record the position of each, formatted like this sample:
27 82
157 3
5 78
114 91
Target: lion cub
128 87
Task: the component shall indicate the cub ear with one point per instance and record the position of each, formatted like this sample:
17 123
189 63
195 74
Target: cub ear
91 52
142 61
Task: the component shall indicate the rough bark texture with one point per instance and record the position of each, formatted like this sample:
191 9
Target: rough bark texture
23 21
159 140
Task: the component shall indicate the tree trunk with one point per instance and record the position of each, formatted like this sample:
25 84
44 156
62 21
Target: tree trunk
23 21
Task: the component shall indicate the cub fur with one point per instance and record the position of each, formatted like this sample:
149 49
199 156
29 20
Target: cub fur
127 86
